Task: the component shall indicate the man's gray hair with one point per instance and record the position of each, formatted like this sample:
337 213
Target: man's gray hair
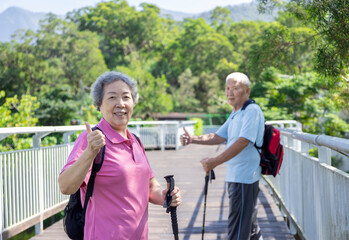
97 91
239 77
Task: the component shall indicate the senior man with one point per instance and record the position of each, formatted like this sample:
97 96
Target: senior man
241 131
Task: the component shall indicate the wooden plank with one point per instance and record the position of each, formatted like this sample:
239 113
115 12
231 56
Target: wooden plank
185 165
20 227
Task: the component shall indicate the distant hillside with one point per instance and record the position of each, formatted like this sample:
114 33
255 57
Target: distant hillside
15 18
177 16
245 11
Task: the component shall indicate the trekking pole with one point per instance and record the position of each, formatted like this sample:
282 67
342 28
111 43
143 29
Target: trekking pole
209 176
167 204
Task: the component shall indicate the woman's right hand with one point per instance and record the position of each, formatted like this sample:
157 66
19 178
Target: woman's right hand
95 139
185 138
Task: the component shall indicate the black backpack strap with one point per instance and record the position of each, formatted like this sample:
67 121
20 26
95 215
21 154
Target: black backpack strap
95 168
248 102
139 141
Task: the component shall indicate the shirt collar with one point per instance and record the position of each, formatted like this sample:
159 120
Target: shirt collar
113 135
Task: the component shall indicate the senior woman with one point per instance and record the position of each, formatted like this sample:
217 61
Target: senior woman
118 208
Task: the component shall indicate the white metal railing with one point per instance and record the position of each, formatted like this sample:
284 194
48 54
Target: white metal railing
313 194
29 190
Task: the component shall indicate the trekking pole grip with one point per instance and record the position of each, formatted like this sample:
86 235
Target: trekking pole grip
173 210
170 187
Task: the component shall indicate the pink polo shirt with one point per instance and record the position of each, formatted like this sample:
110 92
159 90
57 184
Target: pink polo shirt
118 208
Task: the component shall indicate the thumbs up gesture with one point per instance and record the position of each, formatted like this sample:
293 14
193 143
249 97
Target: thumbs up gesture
95 139
185 138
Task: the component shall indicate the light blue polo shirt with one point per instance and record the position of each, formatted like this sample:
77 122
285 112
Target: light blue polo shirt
249 124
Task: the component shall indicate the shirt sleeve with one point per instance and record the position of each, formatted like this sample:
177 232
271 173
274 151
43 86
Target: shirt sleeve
223 130
250 124
79 147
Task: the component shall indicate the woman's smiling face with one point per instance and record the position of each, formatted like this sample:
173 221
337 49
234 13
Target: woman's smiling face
117 105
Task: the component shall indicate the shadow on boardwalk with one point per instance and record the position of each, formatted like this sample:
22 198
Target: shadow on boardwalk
189 176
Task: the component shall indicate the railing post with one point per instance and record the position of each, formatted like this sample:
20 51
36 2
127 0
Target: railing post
162 137
305 147
1 200
37 144
293 229
177 136
324 155
3 136
138 128
66 136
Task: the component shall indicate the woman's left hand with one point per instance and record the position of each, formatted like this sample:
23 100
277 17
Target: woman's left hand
176 196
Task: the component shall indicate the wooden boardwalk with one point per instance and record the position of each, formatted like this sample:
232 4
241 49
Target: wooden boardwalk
189 176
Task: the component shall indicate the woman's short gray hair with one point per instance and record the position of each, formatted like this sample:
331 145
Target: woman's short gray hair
239 77
97 91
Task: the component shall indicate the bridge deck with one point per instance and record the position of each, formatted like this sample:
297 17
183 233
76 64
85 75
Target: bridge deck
185 166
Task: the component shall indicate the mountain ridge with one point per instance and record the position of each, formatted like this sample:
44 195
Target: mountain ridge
14 18
239 12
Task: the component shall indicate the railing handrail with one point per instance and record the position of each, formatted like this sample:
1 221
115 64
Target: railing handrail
334 143
289 124
38 129
5 132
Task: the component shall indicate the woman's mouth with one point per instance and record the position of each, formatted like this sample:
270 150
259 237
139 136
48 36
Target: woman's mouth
120 113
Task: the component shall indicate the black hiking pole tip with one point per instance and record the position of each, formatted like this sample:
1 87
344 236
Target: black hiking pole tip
167 204
209 177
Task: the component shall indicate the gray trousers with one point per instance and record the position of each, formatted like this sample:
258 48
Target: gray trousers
242 220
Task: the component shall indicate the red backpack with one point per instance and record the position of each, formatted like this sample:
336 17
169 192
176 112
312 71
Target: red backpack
272 151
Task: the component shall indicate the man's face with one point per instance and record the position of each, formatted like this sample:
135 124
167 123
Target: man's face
236 93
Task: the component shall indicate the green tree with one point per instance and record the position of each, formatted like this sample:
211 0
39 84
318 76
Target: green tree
199 47
17 113
329 19
123 30
301 97
206 92
58 106
187 83
56 54
221 19
153 96
68 54
284 48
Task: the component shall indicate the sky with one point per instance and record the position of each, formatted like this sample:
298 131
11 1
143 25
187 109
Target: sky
61 7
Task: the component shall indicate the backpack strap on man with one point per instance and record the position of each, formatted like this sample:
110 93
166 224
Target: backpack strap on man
248 102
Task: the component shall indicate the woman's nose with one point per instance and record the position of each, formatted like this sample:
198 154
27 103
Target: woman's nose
120 102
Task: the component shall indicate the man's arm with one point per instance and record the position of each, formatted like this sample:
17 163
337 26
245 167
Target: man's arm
206 139
210 163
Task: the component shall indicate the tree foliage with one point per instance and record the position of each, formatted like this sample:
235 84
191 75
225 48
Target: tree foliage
298 64
16 112
329 19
